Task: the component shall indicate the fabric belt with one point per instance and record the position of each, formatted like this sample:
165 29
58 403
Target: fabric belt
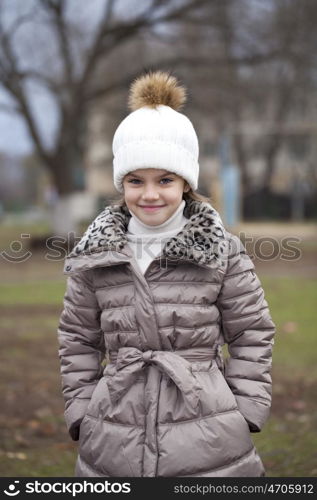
130 361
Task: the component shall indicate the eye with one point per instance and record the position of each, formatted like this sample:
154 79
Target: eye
133 181
165 180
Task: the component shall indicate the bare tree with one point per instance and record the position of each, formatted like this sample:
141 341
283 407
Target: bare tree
262 62
70 80
51 46
272 92
293 27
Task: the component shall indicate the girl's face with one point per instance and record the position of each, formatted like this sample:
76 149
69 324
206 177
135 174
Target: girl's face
153 195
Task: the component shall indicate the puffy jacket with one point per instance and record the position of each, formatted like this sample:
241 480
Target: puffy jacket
145 387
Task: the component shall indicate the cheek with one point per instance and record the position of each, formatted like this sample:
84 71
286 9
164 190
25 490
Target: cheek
175 194
129 195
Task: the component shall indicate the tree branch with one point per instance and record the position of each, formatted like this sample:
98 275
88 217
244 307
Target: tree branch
11 80
109 11
110 36
6 108
57 8
16 25
176 62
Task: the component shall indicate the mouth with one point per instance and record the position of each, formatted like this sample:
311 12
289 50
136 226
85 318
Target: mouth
151 208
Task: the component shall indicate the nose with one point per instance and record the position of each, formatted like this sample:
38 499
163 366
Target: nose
150 193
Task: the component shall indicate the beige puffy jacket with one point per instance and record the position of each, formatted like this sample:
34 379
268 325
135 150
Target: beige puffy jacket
163 404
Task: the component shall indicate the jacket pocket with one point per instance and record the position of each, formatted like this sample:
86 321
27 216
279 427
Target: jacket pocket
74 415
224 387
216 396
229 397
98 392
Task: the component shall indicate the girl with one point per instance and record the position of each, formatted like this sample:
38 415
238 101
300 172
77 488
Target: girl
156 286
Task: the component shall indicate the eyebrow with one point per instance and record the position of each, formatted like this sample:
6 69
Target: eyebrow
159 176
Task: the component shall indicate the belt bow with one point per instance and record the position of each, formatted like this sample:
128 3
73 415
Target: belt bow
130 361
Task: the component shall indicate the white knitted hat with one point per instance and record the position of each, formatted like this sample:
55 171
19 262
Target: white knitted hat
155 135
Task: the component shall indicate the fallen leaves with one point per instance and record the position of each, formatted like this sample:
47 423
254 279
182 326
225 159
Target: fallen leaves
16 455
289 327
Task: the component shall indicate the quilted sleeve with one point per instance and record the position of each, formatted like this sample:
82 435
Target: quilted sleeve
81 349
248 330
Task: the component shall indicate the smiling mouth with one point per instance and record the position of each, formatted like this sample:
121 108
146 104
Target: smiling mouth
151 208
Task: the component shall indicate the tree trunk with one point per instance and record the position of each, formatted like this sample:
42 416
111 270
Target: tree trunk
271 160
242 163
67 170
62 173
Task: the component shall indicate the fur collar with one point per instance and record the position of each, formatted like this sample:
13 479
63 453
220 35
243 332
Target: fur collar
202 240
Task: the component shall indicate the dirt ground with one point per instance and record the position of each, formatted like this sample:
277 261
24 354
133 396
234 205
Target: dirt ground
31 420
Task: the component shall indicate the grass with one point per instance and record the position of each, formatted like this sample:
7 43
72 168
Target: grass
56 461
288 442
288 449
292 305
32 293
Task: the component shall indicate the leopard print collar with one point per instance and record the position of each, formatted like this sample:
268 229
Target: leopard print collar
202 240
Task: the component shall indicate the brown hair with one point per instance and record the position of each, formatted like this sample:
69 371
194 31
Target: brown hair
190 195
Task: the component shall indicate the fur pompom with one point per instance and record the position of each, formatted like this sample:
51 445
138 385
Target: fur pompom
156 88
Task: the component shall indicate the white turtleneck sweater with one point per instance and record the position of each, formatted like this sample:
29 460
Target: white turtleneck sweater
148 241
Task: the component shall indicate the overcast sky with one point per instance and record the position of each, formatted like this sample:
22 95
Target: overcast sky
14 137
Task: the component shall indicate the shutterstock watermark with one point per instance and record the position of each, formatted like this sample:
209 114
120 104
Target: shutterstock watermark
186 246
